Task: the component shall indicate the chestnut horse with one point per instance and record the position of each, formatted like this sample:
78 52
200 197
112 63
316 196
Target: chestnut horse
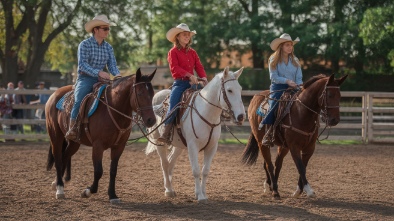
298 130
108 127
200 127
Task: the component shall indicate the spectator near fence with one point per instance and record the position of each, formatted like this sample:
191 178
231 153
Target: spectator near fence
40 114
19 99
7 100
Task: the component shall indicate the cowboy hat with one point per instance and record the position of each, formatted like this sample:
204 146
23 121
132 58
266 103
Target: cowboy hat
283 38
178 29
97 21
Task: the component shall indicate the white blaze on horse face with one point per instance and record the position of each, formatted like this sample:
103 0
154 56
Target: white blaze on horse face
233 91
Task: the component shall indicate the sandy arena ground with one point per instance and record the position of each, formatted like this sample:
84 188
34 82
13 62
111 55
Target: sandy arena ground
351 183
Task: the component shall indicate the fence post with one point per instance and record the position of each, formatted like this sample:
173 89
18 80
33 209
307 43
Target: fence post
370 117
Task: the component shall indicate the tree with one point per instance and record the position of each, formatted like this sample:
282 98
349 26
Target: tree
35 15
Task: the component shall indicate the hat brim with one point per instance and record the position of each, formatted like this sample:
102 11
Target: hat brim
94 23
277 41
174 31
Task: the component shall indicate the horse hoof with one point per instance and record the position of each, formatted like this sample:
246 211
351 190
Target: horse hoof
297 194
60 196
114 201
276 196
170 194
86 193
311 195
203 201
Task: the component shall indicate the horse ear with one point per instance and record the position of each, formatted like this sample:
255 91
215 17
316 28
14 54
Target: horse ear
152 75
225 72
138 75
342 79
238 73
330 80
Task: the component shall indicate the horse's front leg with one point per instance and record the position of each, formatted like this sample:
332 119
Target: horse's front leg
115 155
97 156
162 152
209 153
193 158
172 158
301 163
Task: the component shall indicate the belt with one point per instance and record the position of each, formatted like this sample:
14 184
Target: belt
182 78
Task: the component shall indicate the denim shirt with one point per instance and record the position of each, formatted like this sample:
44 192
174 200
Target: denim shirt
284 72
92 57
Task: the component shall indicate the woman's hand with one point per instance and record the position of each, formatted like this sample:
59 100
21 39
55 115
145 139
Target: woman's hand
193 79
291 83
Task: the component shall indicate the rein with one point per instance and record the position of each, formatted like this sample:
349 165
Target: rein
132 118
222 90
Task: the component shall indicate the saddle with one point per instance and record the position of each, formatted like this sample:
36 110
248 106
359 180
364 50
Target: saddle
87 108
184 105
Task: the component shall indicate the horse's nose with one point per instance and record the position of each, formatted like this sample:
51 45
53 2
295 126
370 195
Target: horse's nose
240 118
150 122
333 121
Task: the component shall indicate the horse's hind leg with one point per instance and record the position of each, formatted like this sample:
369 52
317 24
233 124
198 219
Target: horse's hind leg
165 165
172 158
269 169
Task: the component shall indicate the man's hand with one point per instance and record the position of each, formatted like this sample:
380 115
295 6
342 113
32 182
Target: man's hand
104 75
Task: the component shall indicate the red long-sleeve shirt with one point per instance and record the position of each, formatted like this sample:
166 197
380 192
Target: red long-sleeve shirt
183 63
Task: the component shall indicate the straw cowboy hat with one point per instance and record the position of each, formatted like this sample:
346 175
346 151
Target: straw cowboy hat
283 38
97 21
178 29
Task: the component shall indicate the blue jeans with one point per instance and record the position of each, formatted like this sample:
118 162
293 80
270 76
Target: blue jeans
178 87
83 87
273 107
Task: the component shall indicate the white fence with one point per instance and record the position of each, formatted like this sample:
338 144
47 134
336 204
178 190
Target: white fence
372 118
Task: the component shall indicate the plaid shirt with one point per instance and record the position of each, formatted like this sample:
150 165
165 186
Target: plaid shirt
92 57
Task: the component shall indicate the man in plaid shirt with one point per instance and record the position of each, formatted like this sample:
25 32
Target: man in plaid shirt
94 54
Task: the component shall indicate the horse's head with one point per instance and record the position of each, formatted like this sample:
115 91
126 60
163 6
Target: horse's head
329 100
141 97
230 95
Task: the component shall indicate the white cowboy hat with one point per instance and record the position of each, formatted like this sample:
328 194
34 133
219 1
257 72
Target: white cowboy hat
178 29
97 21
283 38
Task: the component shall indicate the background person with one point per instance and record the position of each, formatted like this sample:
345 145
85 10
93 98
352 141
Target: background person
19 99
183 60
285 72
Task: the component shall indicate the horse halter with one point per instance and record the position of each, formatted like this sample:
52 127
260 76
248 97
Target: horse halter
225 98
138 108
323 103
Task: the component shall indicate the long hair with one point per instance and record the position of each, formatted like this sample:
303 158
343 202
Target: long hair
179 46
277 58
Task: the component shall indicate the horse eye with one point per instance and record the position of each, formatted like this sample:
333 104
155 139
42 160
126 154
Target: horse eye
230 91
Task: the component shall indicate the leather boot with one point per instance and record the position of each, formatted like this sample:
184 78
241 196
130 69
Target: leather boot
72 131
268 137
165 137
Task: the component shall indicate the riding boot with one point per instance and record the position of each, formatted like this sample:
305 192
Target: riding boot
72 131
268 137
165 137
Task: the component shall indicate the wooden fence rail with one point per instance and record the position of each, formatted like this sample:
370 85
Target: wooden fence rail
365 116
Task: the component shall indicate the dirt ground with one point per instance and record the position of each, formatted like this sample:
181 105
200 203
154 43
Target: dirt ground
351 183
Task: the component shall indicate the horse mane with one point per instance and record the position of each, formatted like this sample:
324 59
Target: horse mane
118 81
313 80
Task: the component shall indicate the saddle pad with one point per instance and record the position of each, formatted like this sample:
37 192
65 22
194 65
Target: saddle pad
96 101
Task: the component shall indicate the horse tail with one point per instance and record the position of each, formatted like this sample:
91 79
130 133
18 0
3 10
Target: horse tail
251 151
50 159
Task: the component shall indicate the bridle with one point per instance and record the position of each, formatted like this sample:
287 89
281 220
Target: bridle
225 98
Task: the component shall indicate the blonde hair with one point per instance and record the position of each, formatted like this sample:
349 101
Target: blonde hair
179 46
277 58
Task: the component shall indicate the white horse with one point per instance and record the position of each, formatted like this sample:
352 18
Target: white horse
200 127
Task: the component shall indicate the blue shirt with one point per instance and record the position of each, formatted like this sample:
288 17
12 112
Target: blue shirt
285 71
92 57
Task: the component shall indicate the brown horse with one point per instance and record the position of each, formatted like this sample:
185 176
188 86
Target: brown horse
108 127
297 132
